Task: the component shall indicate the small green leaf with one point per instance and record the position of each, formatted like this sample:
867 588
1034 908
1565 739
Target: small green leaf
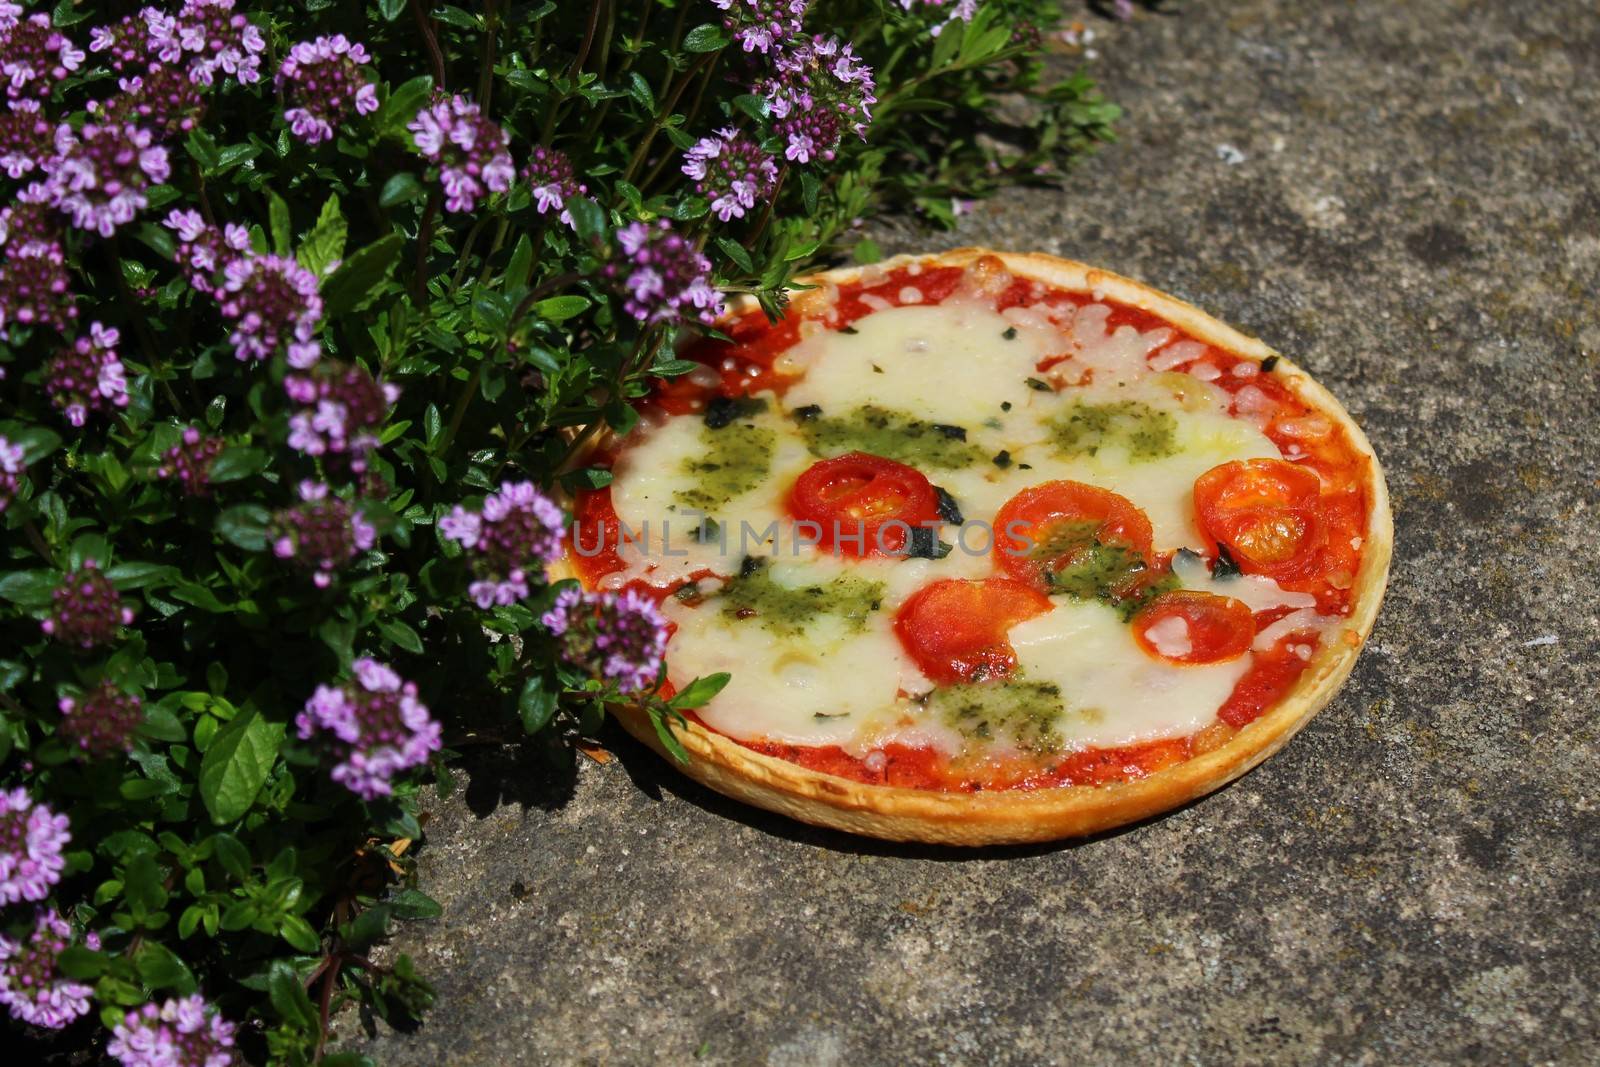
141 884
735 251
80 961
246 526
141 575
588 218
415 904
560 308
402 106
289 998
401 188
353 285
536 704
701 690
658 719
299 934
202 148
324 245
162 725
391 9
707 37
402 635
29 589
144 789
278 219
457 17
233 856
516 275
639 89
237 463
160 968
237 764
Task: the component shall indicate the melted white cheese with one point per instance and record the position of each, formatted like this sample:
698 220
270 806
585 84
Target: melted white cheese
1115 692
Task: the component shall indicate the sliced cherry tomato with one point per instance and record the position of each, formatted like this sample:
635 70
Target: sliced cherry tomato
956 630
865 505
1193 627
1266 512
1068 537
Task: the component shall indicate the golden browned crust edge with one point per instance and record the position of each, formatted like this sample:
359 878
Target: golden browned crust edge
1020 816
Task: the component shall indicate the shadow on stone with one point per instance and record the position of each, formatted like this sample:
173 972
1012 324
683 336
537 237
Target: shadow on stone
530 775
652 775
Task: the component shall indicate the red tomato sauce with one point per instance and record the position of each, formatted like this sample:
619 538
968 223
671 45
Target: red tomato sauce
745 365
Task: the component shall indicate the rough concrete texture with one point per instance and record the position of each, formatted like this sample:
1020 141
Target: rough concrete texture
1404 198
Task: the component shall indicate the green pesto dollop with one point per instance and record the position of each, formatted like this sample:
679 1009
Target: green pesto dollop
1145 432
1028 714
787 610
1110 573
893 435
737 458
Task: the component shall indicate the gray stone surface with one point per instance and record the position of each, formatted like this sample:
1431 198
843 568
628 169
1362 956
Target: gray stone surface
1412 211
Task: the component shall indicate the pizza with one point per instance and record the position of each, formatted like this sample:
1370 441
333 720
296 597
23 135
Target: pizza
996 548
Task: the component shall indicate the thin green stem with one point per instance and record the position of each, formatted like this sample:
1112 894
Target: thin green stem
588 40
466 251
431 40
666 109
419 277
469 389
491 38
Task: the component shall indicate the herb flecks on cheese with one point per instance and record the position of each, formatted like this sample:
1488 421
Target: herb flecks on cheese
737 458
893 435
1145 432
1023 713
757 596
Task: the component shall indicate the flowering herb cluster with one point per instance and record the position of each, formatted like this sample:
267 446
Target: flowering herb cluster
307 313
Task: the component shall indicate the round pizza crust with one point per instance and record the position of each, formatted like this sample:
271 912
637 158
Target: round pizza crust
1021 816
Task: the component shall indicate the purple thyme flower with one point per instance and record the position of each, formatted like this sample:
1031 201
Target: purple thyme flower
203 250
211 37
12 463
88 376
34 56
549 173
273 302
820 90
518 529
100 174
663 275
162 100
31 839
101 720
469 150
619 637
1123 9
87 610
321 533
189 462
342 407
327 83
25 138
378 726
34 290
126 42
732 171
963 10
31 986
762 25
181 1032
